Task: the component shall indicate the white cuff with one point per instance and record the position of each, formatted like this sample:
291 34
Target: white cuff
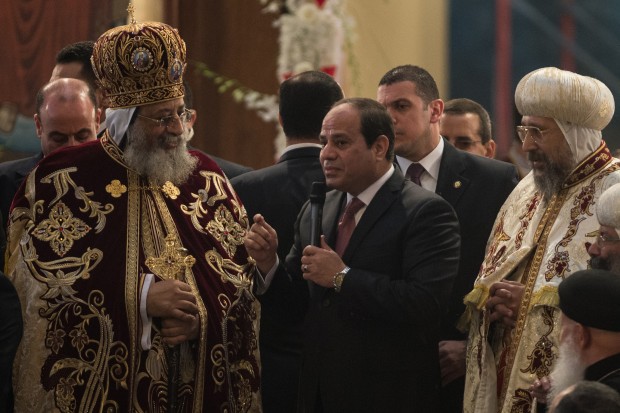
263 282
147 322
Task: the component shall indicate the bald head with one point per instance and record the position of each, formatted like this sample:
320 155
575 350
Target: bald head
66 115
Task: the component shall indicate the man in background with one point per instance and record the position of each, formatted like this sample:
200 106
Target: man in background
67 115
278 193
539 238
72 61
590 331
475 186
605 250
587 397
467 126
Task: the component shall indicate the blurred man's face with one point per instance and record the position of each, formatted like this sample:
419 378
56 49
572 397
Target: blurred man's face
463 132
157 151
71 70
605 251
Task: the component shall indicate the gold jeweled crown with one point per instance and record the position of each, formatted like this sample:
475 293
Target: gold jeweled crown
140 63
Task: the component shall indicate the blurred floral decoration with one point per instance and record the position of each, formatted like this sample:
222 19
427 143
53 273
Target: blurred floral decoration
313 34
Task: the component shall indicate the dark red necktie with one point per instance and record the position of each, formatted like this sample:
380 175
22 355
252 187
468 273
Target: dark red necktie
414 172
347 225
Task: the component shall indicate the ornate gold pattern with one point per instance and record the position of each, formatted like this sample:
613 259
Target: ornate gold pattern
61 180
596 161
173 262
239 275
115 188
60 229
140 63
540 239
542 357
170 190
196 210
226 230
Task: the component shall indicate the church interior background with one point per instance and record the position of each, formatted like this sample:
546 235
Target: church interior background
239 50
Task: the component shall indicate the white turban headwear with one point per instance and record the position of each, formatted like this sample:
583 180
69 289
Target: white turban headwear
117 122
581 106
608 207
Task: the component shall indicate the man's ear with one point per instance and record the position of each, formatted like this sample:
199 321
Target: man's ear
584 336
192 118
490 149
436 109
380 146
37 124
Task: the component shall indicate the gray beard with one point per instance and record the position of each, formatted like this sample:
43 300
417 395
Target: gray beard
568 370
550 183
156 163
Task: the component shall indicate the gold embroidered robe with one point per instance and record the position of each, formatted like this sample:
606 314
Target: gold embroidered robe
538 245
84 229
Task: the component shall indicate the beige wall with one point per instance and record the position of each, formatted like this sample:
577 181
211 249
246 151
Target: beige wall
396 32
149 10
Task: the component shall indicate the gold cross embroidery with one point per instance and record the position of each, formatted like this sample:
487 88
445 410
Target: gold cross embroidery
173 262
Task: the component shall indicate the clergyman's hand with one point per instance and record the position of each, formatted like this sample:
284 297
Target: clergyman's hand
171 299
175 331
504 301
261 242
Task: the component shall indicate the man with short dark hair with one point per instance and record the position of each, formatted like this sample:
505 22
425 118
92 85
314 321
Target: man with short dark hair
372 293
278 192
538 239
475 186
587 397
467 126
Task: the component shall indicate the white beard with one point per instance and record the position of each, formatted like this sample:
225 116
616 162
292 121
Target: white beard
156 163
568 370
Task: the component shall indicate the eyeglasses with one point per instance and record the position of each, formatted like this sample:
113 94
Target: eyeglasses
536 133
602 239
464 144
167 121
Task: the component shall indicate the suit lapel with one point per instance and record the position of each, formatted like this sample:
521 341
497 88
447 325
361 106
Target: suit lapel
451 183
381 202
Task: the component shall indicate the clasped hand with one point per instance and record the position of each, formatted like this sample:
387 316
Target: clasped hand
504 301
174 303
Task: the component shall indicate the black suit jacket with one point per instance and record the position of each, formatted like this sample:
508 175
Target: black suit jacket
278 193
476 187
12 173
373 346
11 329
231 169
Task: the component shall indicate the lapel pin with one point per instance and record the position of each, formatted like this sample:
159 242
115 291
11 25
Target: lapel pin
457 184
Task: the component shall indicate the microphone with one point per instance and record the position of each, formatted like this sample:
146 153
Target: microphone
317 199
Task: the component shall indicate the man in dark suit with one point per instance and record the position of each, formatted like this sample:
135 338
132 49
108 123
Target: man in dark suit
373 307
278 193
475 186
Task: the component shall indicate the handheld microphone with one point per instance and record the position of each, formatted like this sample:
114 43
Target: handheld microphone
317 199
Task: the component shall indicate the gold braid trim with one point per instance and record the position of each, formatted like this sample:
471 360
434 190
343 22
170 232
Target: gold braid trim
547 295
